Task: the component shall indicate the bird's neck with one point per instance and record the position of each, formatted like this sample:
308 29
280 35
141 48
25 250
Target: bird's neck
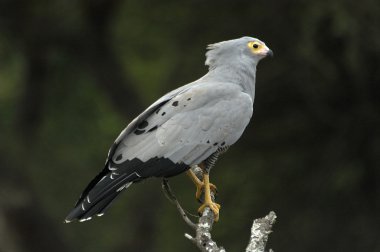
244 76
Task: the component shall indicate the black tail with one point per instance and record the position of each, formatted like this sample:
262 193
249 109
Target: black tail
99 194
105 187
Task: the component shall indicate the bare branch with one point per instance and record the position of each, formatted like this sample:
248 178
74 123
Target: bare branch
260 230
170 195
203 229
203 238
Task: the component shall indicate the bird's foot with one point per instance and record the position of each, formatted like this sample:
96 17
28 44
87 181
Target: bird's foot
213 206
207 198
200 185
201 189
205 188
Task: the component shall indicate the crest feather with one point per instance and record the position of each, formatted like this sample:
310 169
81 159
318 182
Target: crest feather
212 54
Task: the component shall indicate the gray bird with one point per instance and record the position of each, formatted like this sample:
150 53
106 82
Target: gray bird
189 126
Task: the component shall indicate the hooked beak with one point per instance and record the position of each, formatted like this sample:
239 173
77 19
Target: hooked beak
269 53
265 52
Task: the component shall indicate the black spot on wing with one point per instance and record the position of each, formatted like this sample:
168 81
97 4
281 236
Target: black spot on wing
155 109
163 113
222 144
139 132
189 99
175 104
143 124
119 157
215 144
208 141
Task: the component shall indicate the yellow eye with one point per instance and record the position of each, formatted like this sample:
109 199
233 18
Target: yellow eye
254 46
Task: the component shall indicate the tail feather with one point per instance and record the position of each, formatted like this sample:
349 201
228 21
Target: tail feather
100 207
98 198
114 178
108 185
95 209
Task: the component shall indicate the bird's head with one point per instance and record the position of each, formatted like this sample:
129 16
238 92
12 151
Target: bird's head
245 50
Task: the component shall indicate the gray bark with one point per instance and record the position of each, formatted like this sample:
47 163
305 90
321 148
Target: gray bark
261 228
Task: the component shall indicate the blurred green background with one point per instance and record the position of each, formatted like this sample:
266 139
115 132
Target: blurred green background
74 73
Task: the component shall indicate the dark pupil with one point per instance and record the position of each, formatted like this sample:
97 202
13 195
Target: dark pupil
255 45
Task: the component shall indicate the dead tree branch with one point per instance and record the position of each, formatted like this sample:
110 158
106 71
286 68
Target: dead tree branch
260 230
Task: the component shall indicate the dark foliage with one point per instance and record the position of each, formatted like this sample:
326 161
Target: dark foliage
74 73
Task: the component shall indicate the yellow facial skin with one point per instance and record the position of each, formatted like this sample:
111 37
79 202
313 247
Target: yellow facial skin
258 48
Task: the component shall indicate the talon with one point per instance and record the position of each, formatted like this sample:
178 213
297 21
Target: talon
213 206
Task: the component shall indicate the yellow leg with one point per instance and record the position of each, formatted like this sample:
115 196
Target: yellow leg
208 201
199 184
